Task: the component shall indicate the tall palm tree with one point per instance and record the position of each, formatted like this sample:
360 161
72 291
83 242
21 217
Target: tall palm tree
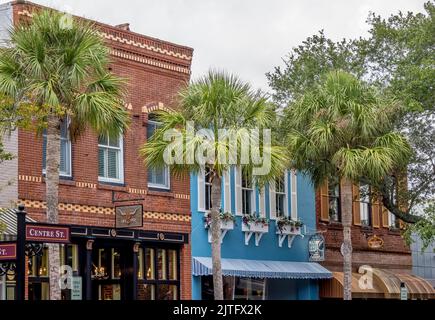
216 101
60 68
344 129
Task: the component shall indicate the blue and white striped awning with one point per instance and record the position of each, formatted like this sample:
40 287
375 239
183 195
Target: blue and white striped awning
202 266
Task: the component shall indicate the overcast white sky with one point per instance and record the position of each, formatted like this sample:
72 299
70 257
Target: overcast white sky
247 37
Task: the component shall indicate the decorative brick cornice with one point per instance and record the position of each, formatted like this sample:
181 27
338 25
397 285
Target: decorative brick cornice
136 42
140 58
70 207
144 45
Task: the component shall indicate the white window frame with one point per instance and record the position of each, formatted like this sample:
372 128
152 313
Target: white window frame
167 185
207 183
252 195
120 162
68 156
281 194
391 219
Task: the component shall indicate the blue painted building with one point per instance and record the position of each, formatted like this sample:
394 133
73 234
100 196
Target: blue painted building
259 261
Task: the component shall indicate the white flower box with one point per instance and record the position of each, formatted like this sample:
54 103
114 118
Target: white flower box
227 224
255 227
289 230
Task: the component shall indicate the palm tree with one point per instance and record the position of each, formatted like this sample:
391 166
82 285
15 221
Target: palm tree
60 69
344 129
216 101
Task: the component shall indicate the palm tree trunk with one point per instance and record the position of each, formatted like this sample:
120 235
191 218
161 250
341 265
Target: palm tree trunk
216 238
52 198
346 205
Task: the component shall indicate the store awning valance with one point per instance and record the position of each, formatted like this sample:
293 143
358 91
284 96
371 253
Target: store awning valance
8 219
202 266
385 284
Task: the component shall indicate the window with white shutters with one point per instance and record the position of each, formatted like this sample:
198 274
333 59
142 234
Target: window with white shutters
110 159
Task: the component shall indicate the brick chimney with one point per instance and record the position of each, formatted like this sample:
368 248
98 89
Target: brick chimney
124 26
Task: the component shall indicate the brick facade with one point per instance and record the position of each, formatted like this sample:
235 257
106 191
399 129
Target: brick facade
393 255
155 70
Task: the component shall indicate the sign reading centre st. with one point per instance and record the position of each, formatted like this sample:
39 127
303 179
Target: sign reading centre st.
47 233
8 251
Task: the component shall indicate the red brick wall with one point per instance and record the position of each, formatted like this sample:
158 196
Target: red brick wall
150 82
394 254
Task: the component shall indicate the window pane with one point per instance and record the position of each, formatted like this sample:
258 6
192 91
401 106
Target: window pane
103 140
149 263
256 289
151 128
114 142
112 162
116 264
157 176
101 162
167 292
172 256
63 166
140 268
161 264
64 129
146 292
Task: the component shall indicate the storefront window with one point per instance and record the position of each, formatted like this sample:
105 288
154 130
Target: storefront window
140 268
172 255
109 292
162 276
167 292
116 264
161 264
149 263
146 291
235 288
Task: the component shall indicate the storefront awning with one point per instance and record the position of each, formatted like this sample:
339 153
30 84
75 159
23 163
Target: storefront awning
385 284
202 266
8 218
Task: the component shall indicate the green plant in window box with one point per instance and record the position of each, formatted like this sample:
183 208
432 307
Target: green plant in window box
294 225
224 216
254 218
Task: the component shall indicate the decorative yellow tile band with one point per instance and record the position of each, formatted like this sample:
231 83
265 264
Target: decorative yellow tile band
36 204
86 185
137 191
153 107
29 178
182 196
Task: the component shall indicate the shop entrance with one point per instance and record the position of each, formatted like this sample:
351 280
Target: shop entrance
112 270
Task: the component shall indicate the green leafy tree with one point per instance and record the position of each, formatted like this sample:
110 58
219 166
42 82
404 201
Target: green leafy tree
57 67
217 101
342 128
398 59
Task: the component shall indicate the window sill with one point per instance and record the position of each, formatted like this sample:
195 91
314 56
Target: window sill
160 193
112 186
335 225
367 229
395 232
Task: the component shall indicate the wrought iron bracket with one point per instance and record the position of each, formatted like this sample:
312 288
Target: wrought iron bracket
7 267
34 249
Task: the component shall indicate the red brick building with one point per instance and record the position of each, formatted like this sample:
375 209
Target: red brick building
99 175
376 241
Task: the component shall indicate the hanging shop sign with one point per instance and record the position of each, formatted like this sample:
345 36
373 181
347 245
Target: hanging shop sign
47 233
375 242
8 251
129 216
316 248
